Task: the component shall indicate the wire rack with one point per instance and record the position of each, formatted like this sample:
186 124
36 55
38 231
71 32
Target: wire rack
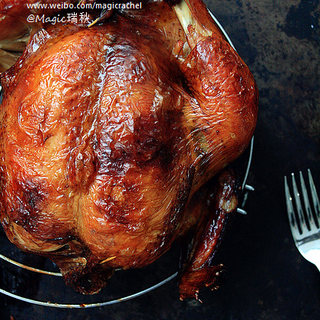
245 187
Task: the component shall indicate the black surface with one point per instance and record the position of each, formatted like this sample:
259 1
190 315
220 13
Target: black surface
265 276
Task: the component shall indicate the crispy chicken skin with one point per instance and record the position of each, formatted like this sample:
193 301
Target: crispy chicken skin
106 135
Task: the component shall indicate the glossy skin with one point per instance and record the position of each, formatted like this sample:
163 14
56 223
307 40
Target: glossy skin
105 136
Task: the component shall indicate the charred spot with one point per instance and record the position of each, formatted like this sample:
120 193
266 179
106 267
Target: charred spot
89 279
147 137
166 156
113 211
113 164
33 197
119 216
119 210
28 203
152 143
180 202
157 138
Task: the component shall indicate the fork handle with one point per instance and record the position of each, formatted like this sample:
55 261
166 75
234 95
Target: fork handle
313 256
317 264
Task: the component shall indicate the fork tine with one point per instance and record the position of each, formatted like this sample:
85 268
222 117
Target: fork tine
314 195
306 202
296 194
291 216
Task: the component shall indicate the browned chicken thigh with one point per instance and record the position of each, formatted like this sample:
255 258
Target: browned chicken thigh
108 132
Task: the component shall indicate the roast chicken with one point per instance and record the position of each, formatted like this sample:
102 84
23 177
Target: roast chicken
115 141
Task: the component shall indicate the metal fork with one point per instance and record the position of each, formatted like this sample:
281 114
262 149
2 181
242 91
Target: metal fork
304 220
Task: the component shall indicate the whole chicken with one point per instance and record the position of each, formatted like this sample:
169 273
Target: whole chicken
109 134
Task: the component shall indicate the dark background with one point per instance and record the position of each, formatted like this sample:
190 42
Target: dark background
265 276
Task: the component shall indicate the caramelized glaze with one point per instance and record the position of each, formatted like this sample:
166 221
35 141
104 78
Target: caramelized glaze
107 133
